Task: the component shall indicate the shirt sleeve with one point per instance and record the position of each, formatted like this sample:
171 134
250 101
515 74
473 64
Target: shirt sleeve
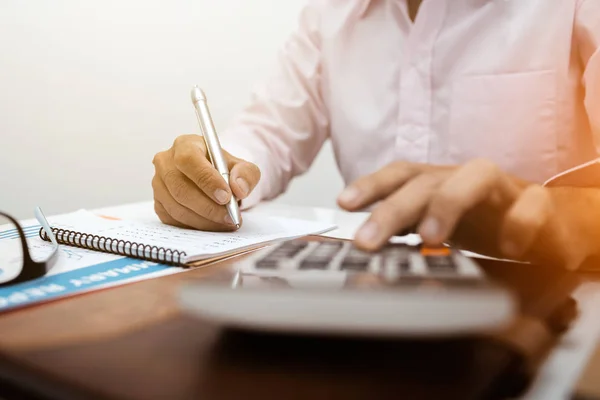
286 122
587 37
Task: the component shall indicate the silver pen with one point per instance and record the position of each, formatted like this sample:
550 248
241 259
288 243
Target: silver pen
214 147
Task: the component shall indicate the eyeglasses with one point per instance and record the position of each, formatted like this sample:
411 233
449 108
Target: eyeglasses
16 263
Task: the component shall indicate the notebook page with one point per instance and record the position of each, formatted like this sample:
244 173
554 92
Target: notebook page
198 245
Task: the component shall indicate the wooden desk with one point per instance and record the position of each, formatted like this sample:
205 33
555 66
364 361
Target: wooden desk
132 342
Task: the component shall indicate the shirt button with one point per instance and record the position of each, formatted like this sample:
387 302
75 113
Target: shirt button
416 133
411 132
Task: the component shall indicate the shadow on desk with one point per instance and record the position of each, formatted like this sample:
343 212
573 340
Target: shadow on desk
185 359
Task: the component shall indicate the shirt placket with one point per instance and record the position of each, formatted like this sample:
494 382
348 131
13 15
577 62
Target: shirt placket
415 129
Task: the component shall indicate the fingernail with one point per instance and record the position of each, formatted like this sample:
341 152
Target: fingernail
430 230
510 248
228 220
243 185
349 195
221 196
368 233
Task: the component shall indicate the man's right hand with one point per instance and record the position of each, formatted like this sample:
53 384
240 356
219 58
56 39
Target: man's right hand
188 190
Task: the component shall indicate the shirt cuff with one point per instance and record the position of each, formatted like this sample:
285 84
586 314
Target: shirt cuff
585 176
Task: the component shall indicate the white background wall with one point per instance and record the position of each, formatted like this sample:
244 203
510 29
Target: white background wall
91 90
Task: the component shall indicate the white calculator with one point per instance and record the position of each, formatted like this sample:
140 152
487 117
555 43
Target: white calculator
333 288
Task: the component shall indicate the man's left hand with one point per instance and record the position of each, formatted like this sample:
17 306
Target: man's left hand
475 206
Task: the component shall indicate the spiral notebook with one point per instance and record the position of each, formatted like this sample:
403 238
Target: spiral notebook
157 242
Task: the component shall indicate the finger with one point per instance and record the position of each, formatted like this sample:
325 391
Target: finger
243 178
374 187
184 215
190 157
164 216
524 220
469 186
399 211
370 188
188 195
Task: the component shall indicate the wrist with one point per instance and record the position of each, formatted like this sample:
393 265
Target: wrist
568 239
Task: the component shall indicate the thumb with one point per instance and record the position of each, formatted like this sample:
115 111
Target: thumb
243 178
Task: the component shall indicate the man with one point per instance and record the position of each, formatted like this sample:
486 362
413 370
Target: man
460 119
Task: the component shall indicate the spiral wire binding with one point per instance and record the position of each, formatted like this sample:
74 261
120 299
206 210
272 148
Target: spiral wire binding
116 246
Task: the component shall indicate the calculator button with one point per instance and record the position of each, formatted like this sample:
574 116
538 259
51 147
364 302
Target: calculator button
327 249
268 263
322 252
404 267
321 255
440 264
398 257
331 245
358 265
356 260
435 251
314 264
289 250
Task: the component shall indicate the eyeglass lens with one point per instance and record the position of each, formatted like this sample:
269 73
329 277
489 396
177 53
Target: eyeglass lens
11 249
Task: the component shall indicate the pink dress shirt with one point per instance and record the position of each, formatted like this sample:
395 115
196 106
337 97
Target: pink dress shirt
513 81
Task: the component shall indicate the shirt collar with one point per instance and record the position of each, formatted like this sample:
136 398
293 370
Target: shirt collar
362 7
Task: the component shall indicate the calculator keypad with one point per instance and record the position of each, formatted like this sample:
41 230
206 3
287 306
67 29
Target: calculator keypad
393 261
